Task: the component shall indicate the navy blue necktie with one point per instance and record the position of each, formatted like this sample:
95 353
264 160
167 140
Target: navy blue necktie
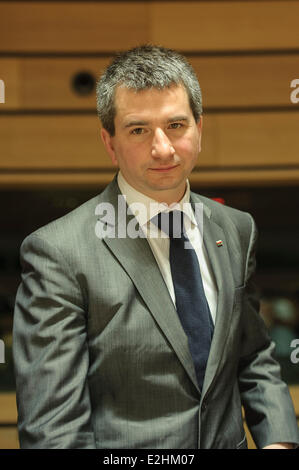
191 303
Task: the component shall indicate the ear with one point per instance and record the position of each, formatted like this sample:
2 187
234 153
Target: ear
199 128
107 140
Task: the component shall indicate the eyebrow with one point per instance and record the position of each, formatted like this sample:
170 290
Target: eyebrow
146 123
178 118
136 123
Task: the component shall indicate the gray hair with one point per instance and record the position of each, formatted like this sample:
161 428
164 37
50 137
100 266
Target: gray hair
141 68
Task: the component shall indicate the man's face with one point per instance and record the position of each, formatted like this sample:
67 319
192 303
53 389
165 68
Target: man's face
156 142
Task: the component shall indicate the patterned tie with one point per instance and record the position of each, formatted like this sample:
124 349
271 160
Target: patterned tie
191 303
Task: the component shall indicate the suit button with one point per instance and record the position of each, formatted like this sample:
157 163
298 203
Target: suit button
203 406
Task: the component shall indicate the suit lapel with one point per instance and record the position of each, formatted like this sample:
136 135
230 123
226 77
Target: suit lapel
220 264
137 259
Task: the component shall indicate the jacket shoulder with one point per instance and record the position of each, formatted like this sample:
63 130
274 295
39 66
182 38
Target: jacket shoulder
222 214
79 222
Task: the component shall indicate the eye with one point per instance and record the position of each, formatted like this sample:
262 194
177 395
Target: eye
138 131
176 125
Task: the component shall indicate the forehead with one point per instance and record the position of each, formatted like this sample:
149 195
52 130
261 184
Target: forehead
151 101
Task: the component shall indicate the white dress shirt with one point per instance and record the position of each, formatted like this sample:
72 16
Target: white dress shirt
159 241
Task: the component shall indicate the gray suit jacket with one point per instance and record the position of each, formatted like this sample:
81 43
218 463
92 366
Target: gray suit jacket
101 359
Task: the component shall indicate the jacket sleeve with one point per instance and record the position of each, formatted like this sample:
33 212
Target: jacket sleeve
50 352
268 407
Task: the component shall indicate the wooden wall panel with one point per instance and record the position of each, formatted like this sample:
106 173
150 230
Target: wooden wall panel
104 26
10 74
8 408
247 137
72 26
257 139
56 141
234 141
241 80
9 438
46 83
248 81
231 25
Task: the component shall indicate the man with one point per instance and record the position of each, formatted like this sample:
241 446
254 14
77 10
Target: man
106 353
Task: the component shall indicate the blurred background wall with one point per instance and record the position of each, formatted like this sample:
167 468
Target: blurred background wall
246 54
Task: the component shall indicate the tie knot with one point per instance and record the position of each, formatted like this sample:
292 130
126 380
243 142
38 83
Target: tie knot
171 223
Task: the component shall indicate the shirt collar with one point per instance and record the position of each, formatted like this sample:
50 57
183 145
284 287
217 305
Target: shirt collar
152 207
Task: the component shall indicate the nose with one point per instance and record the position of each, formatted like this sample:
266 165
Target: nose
161 145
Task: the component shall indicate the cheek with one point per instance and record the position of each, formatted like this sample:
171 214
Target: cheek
131 157
138 155
188 148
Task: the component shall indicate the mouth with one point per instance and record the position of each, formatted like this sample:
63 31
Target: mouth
164 169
